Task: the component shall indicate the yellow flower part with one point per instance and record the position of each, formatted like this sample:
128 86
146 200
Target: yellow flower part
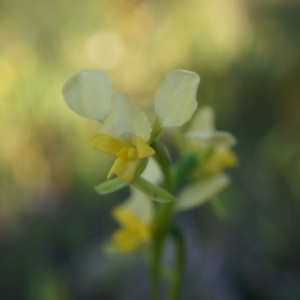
124 134
220 159
205 139
203 133
134 231
128 152
135 217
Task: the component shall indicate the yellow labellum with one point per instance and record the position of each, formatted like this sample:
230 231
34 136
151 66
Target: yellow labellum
143 149
219 160
134 231
106 143
126 152
123 168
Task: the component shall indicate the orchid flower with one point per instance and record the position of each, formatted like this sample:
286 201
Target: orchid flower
135 217
136 214
202 129
125 130
144 164
205 137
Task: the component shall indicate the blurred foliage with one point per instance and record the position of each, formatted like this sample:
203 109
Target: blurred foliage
52 223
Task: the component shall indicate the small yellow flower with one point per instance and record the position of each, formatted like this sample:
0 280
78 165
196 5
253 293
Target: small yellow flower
202 130
133 233
135 217
206 140
204 136
220 159
125 131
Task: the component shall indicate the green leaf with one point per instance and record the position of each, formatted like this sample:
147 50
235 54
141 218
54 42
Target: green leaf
154 192
110 186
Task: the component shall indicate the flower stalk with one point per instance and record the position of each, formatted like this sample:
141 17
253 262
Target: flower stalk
162 227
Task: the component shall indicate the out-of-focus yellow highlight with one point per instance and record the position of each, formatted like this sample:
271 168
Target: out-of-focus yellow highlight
220 159
134 231
7 76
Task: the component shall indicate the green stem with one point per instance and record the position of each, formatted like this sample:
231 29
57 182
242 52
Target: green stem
218 208
179 264
163 160
156 128
162 226
162 222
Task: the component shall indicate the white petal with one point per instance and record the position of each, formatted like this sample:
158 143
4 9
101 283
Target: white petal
152 172
203 120
140 205
213 139
223 139
175 100
126 118
88 93
198 193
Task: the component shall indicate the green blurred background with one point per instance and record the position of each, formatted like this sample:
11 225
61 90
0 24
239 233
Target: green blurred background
53 224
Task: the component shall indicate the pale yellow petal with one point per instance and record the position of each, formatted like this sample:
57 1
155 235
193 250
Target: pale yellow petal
132 153
134 230
153 172
143 149
125 119
124 215
213 139
126 240
118 166
123 168
106 143
123 153
140 205
88 93
197 194
202 128
175 100
203 120
129 172
222 158
223 139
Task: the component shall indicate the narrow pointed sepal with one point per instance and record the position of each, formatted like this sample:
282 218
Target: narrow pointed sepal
110 186
154 192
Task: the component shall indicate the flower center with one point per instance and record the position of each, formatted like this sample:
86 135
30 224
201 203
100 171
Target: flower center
128 153
128 150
